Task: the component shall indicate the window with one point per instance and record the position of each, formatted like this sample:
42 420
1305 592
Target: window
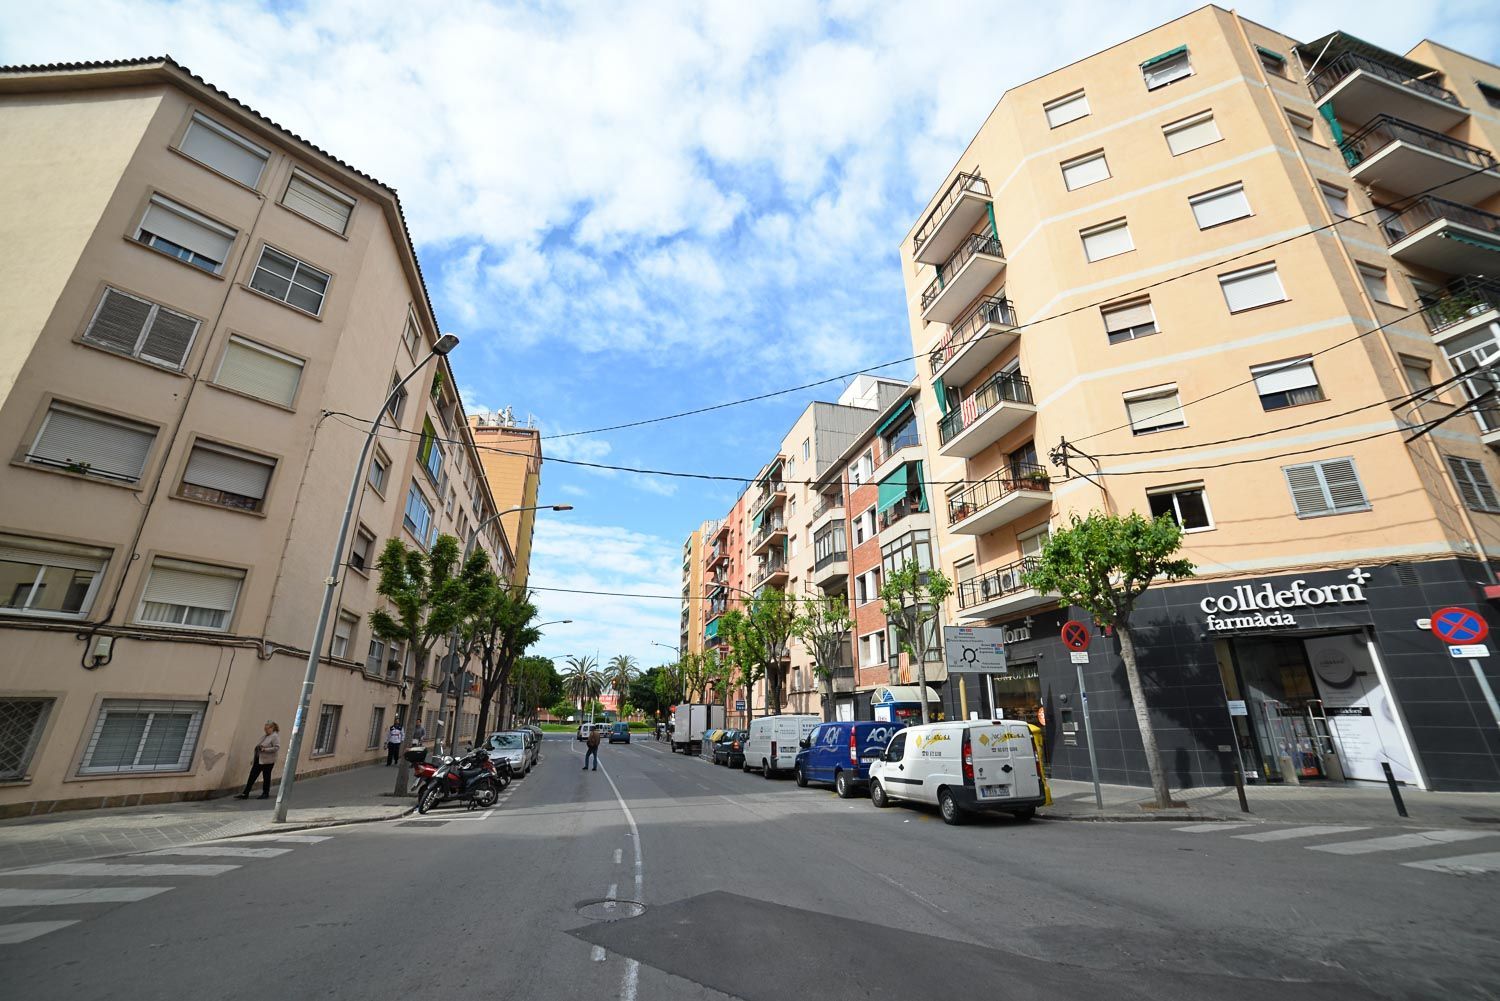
452 496
1376 282
362 551
1169 67
1473 484
806 448
380 467
411 336
929 634
418 516
343 635
864 526
317 201
860 471
140 736
376 737
290 281
21 724
1157 409
230 153
1273 62
38 577
1033 542
190 595
1418 373
902 434
258 371
1091 168
872 649
1252 287
1336 198
228 477
1328 487
328 729
867 587
1125 321
1213 208
1490 93
1302 127
398 401
1066 109
375 658
92 444
791 469
397 665
1287 383
791 545
1185 505
429 452
911 547
1108 240
1188 134
180 232
142 329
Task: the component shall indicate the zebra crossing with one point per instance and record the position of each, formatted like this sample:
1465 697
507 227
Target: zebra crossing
1335 839
25 897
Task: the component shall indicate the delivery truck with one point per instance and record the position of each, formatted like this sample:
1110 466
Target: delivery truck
690 720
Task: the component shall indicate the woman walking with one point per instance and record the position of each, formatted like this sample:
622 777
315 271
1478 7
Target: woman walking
265 757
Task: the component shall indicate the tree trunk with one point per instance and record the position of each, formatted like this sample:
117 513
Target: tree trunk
1143 717
922 685
413 715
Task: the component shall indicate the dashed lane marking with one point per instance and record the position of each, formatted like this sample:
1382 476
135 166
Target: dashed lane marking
12 897
619 855
1291 833
1399 842
25 931
597 954
1208 828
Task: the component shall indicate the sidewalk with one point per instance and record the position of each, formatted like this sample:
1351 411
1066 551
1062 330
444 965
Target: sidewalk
1365 803
353 796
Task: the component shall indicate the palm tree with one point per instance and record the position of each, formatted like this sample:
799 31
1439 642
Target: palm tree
582 681
621 672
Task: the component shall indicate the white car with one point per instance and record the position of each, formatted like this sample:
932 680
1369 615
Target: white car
963 766
775 740
510 745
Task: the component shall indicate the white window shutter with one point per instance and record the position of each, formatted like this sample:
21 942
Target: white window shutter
1251 287
76 437
119 321
232 155
175 223
1155 411
1343 484
1133 314
317 203
1308 496
175 582
259 372
1284 377
1066 109
228 470
1107 241
1215 207
1084 171
1190 134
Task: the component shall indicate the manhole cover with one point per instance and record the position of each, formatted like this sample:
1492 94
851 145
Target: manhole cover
611 910
422 823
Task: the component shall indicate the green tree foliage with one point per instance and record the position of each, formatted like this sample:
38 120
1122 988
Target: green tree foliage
912 597
1103 564
769 631
503 626
537 684
645 693
582 680
621 672
823 627
740 653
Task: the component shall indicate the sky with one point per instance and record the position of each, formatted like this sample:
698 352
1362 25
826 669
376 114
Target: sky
632 209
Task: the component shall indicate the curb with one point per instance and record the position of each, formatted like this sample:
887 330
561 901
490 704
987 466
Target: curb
312 825
1142 818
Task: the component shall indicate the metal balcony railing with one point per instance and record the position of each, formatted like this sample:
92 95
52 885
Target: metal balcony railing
770 528
769 493
768 569
997 583
999 388
962 184
1429 209
1461 299
827 504
974 243
912 503
973 499
990 309
1351 62
1382 130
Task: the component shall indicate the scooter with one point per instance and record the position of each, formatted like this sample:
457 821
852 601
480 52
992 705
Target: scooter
472 779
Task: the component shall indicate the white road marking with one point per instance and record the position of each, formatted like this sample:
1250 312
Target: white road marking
1400 842
597 954
1461 865
298 839
225 851
1297 832
1208 828
106 869
25 931
11 897
619 855
914 893
631 980
486 815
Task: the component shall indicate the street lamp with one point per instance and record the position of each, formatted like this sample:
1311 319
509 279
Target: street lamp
445 344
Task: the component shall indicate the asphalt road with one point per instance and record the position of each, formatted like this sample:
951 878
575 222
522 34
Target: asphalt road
757 890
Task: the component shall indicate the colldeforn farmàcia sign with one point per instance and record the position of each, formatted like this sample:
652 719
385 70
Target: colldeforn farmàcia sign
1263 605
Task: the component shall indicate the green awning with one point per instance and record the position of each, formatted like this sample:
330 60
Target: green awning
1164 56
1326 110
1473 241
891 489
905 408
914 484
712 630
941 392
1272 53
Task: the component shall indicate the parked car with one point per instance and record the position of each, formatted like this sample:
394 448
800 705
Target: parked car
619 733
962 767
729 749
841 753
540 736
774 741
509 746
533 744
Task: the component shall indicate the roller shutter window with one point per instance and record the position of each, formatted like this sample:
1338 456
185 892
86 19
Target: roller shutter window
1336 198
318 202
227 476
343 634
1473 484
1126 321
258 371
1066 109
93 444
1287 383
1107 240
291 281
1328 487
132 735
1166 68
190 595
1152 410
137 327
1252 287
1192 133
1085 170
40 577
179 231
1213 208
229 153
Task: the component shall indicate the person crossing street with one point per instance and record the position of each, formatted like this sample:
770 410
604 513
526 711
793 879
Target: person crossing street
593 749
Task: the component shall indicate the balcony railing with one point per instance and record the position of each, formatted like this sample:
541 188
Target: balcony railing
1428 209
1002 387
827 504
770 528
963 184
990 309
828 559
913 503
768 494
1351 62
1462 299
974 243
995 584
1383 130
973 499
769 569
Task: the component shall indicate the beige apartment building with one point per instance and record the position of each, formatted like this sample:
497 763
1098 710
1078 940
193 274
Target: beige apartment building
1222 275
204 313
690 638
511 456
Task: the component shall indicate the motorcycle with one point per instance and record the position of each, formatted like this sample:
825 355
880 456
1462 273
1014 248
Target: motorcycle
471 779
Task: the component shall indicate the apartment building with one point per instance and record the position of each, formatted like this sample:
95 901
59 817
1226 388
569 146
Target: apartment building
1218 274
205 313
511 456
690 636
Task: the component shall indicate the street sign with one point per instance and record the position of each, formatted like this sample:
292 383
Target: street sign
1458 626
739 705
1079 656
1237 707
974 650
1075 635
1471 650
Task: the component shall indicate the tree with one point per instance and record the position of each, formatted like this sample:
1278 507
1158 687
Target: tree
769 630
537 684
582 681
645 693
1103 564
912 597
622 671
823 627
503 629
739 653
430 594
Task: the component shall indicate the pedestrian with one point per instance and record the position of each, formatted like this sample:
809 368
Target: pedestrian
265 759
419 735
593 749
393 744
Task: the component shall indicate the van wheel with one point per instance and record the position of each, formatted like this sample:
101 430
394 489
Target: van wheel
843 785
949 807
1026 814
765 769
800 777
745 766
877 795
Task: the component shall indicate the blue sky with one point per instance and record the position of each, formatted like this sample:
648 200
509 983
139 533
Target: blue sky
630 209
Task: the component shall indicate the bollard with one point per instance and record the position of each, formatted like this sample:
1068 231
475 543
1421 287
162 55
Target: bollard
1239 787
1390 780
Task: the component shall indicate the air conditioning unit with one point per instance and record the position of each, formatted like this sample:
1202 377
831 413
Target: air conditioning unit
1010 580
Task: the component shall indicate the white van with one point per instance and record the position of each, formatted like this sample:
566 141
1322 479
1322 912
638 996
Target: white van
775 740
966 765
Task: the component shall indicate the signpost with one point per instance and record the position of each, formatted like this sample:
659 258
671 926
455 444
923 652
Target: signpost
1465 631
1076 637
973 650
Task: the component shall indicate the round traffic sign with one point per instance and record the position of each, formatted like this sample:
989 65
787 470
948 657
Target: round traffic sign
1459 626
1075 635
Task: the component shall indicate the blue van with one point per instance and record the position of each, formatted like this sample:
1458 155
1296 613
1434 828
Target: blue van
841 752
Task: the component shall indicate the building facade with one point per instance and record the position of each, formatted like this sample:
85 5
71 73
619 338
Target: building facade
690 638
510 455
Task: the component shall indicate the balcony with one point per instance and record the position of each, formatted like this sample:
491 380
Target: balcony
1362 87
1464 304
974 341
999 499
841 680
770 494
999 406
976 263
718 558
770 573
828 508
962 206
771 532
914 502
1405 159
830 569
1446 236
1000 591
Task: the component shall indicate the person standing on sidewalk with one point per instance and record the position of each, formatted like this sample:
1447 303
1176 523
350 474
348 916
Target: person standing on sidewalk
265 759
593 749
393 744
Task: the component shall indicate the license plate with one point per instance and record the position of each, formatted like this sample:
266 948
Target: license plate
994 791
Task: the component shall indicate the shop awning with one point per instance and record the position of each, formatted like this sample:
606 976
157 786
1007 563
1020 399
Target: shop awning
887 694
